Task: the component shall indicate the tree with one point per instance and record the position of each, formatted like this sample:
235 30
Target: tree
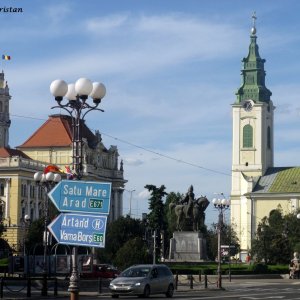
277 237
157 218
132 252
34 237
228 237
170 216
117 234
35 230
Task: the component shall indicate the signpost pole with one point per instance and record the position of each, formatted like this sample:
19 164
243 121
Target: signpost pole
76 106
73 287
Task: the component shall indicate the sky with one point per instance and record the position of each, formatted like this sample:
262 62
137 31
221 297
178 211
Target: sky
171 69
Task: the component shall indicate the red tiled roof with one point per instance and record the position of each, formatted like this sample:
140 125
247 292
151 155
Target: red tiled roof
56 132
8 152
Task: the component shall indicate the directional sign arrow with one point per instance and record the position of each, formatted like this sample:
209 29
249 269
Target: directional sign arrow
81 196
79 229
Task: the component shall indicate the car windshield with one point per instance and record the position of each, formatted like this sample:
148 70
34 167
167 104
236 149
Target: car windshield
136 272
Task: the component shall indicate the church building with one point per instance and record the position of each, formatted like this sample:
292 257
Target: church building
51 144
258 187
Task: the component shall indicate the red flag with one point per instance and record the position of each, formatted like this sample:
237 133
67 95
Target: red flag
53 169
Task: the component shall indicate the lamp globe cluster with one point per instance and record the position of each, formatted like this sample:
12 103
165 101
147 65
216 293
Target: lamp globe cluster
40 177
82 88
217 202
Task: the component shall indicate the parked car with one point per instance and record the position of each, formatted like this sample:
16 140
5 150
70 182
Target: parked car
143 280
101 271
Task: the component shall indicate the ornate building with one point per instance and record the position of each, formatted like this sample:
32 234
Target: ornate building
50 144
257 186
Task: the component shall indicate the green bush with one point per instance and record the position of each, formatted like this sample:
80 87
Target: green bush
235 269
258 268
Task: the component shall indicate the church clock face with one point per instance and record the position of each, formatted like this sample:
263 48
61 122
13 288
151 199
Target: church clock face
248 105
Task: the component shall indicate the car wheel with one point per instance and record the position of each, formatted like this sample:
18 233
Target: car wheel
115 296
146 293
170 291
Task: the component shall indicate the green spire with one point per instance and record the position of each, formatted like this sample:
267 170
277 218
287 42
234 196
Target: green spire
253 75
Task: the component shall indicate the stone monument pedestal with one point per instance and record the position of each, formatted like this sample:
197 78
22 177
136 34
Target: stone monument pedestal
187 246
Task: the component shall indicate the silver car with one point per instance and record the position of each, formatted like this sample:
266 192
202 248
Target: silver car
143 280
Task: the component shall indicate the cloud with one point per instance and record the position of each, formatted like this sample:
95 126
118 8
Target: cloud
145 194
170 80
141 49
132 63
178 176
132 161
58 13
105 25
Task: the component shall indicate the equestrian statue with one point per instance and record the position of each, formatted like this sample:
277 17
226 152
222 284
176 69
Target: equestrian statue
190 210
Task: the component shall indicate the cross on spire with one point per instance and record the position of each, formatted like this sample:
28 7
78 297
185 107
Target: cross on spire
254 18
253 29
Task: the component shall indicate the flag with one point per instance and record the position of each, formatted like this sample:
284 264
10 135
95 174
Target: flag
53 169
6 57
70 175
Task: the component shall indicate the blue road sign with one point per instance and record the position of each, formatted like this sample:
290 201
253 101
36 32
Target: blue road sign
81 196
79 229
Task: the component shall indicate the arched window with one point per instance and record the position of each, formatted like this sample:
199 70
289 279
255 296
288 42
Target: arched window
247 136
269 138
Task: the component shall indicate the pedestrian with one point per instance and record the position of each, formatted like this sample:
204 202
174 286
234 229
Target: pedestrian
292 270
296 266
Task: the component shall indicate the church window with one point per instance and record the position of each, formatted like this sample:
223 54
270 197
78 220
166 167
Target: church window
269 138
247 136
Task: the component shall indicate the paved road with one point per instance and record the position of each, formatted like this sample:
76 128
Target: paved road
245 289
256 289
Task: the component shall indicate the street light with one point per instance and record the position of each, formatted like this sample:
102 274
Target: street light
26 222
77 95
221 205
47 182
130 199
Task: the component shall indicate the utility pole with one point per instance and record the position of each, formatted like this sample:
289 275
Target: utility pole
154 246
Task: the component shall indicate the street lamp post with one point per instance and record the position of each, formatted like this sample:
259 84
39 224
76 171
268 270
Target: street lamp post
77 107
47 182
221 205
26 223
130 199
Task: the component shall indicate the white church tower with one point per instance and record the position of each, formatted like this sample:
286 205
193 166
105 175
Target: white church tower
4 111
253 150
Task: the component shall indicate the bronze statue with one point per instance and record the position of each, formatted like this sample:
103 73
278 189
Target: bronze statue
191 209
